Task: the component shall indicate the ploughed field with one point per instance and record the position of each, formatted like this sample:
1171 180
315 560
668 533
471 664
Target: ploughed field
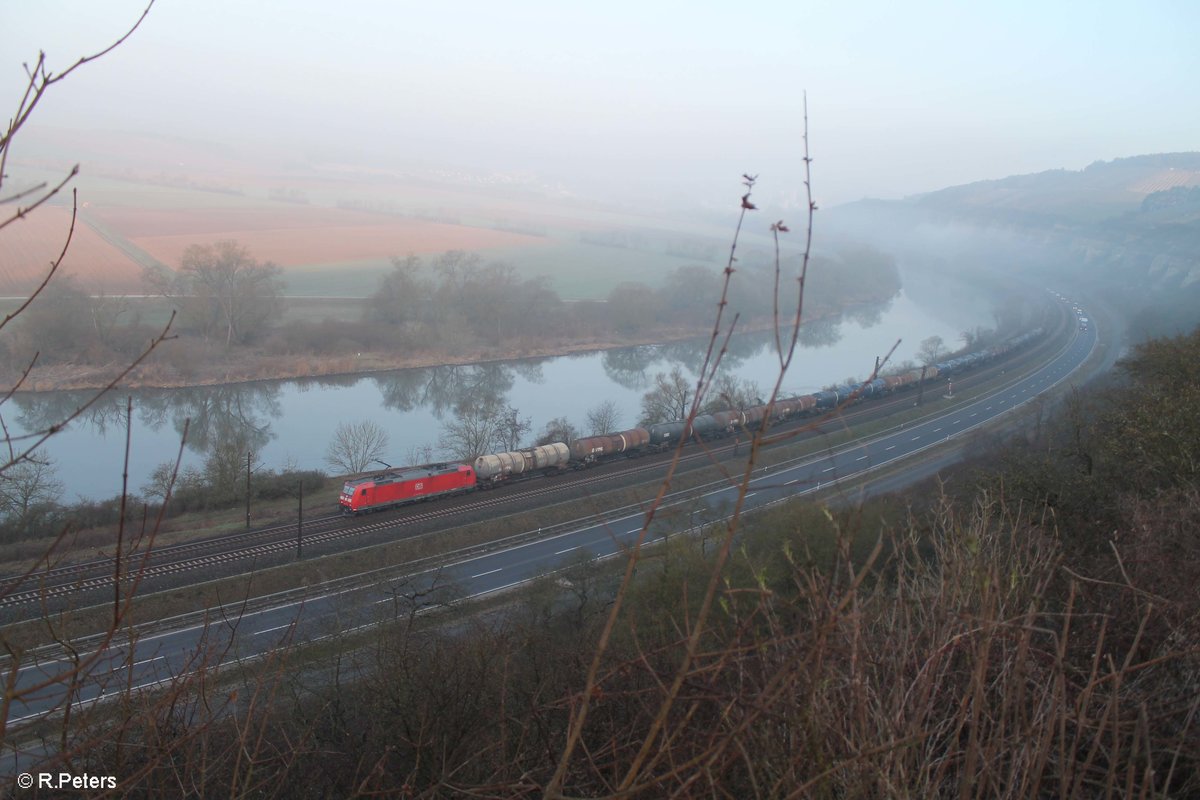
298 236
32 243
109 257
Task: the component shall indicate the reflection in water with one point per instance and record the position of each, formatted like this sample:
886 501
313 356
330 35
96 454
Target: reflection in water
243 412
531 370
868 315
38 412
215 415
627 366
456 388
821 333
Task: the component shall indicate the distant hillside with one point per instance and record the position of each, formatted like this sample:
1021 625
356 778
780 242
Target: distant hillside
1128 227
1099 192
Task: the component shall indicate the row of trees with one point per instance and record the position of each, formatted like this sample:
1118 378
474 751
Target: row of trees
221 294
458 298
226 297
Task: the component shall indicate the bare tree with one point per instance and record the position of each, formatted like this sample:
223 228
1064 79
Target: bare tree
931 350
973 338
58 329
25 486
165 479
355 445
472 431
222 290
603 418
404 295
511 428
671 389
225 467
484 428
23 465
419 454
728 391
669 399
559 429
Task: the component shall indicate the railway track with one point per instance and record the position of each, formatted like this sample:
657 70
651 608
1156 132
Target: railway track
168 560
228 549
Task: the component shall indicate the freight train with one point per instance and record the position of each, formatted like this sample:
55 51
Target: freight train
414 484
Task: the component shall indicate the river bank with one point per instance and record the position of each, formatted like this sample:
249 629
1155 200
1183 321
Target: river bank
246 365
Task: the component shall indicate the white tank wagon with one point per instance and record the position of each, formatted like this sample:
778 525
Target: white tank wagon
496 467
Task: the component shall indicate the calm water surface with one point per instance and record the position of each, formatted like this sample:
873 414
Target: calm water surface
291 423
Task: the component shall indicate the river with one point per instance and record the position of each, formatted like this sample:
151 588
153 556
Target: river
291 423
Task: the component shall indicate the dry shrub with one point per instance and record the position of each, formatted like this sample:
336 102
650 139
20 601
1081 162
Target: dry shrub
963 661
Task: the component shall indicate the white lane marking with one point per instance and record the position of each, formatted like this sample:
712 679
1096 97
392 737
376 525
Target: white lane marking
156 658
276 628
831 469
890 447
635 530
489 572
935 430
975 414
751 495
863 458
793 480
569 549
915 438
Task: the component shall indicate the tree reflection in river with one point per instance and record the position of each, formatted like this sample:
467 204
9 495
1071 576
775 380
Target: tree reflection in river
38 412
454 388
868 315
627 366
821 332
215 415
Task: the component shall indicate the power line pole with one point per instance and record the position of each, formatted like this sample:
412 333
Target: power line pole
247 490
300 519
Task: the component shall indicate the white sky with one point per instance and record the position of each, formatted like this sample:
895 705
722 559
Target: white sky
903 97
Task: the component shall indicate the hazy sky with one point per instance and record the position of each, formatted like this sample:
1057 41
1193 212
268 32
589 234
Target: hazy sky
903 97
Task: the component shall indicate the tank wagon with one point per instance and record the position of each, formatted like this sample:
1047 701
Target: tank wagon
591 449
409 485
496 467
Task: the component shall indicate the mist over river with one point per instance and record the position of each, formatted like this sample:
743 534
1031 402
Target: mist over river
291 423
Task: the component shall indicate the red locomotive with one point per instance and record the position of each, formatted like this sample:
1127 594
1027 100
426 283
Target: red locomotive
408 485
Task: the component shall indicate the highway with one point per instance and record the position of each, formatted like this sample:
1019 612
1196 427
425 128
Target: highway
159 657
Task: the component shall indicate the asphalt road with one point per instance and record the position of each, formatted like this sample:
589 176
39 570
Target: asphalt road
160 657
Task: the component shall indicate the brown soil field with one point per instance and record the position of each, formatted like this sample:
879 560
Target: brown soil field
139 223
29 245
298 235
